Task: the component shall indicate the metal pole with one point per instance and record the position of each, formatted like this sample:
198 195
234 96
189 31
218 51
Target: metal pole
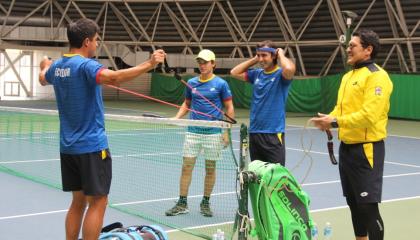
349 16
243 214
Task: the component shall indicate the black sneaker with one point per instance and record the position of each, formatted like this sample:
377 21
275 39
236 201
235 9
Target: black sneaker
205 209
179 208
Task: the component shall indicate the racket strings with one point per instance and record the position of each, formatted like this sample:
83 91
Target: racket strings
306 151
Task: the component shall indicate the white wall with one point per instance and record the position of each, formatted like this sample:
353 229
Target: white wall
29 70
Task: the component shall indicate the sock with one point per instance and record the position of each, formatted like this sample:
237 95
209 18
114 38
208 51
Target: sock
182 199
205 199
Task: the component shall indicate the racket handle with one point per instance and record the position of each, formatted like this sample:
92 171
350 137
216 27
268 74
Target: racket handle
331 152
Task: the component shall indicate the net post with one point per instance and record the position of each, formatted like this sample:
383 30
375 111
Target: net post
242 216
243 147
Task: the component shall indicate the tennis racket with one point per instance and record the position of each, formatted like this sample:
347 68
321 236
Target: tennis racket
330 146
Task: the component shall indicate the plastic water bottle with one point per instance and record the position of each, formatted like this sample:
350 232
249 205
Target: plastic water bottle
314 232
219 235
327 231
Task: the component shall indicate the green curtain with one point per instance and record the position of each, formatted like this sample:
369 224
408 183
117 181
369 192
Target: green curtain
305 96
167 88
405 98
313 94
241 92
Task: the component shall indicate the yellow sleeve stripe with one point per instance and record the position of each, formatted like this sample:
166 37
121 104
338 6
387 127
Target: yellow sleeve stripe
368 149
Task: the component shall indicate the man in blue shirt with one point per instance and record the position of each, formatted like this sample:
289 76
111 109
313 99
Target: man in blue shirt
210 140
270 89
85 158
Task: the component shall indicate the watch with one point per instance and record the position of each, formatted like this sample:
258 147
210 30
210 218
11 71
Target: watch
334 123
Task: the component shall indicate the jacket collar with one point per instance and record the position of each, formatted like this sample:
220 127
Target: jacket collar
363 64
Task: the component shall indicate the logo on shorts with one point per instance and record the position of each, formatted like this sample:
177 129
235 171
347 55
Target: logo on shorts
364 194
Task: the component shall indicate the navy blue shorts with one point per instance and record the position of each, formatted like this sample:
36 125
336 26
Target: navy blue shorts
267 147
361 171
88 172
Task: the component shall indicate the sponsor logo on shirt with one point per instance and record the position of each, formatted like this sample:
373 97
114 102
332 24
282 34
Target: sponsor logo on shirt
364 194
212 89
194 90
62 72
378 91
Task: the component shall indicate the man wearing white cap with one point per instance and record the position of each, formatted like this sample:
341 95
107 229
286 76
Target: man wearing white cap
197 139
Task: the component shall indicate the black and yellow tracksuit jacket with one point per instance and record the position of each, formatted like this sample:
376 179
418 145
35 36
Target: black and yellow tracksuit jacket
363 104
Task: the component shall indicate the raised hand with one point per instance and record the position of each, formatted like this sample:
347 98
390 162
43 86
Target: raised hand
158 56
45 63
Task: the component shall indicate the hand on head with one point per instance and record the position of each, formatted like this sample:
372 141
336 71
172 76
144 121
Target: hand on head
279 51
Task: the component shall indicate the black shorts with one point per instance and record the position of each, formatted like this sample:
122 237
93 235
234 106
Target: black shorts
88 172
361 171
267 147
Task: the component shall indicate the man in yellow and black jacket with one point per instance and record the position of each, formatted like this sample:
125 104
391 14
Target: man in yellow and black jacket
361 116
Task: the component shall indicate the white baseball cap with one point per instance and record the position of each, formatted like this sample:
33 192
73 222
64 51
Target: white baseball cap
206 55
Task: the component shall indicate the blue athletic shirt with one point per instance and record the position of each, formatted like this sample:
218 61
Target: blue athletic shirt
214 89
79 103
268 102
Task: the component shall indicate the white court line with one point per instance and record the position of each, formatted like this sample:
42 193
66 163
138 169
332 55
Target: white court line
402 175
325 153
217 194
402 136
386 176
113 156
311 211
172 153
389 135
116 204
33 214
31 161
299 150
403 164
168 199
301 127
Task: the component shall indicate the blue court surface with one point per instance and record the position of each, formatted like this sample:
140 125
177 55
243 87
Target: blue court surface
30 210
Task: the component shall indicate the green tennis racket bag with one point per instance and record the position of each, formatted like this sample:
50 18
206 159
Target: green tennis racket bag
280 206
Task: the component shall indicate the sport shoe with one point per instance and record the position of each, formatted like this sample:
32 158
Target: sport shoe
205 209
179 208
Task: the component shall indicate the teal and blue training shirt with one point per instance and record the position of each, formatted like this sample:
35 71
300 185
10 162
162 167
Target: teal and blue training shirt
216 90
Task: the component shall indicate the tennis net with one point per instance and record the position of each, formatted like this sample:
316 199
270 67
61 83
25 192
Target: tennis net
147 155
